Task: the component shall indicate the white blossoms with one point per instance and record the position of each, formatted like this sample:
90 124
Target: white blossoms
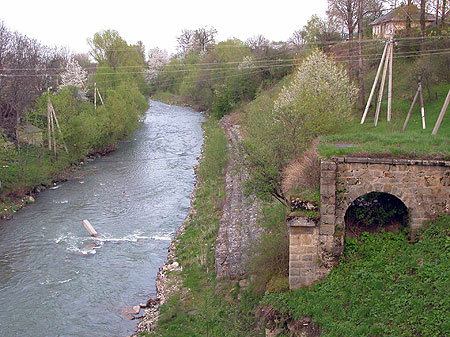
74 75
319 98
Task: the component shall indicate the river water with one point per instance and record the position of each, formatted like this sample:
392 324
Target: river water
55 280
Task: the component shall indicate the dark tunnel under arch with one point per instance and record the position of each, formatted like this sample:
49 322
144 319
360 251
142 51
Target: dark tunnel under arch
375 212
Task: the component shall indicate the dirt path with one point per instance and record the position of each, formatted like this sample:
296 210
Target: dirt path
237 231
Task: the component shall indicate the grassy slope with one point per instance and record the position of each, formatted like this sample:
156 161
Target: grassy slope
384 286
387 139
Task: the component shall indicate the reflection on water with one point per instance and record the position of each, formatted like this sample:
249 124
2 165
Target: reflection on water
56 280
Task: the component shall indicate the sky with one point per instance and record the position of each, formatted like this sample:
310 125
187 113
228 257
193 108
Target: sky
155 23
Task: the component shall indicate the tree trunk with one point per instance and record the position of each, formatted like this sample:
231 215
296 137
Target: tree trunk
408 18
437 13
444 9
422 22
360 59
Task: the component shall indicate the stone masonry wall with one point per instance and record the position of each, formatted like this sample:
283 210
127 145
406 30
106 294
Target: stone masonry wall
422 185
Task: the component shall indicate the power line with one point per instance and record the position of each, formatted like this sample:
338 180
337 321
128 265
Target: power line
335 43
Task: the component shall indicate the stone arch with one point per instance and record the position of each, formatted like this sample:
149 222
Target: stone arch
387 200
353 195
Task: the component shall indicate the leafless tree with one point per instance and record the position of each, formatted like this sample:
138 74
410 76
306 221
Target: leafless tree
298 38
197 41
345 13
258 44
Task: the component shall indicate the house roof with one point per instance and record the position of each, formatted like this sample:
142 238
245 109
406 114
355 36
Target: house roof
28 128
393 15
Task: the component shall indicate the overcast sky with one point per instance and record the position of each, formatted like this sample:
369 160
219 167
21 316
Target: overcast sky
156 23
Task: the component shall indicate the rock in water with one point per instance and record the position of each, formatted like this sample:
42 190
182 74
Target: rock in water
128 312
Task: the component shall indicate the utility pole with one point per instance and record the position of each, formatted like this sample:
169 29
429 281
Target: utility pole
48 119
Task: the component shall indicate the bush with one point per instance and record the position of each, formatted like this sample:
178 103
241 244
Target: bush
302 176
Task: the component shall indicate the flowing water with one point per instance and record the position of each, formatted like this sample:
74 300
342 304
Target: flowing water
55 280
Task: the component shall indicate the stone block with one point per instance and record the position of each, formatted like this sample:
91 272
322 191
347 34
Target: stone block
301 230
381 161
307 240
295 264
327 219
307 257
294 257
326 229
294 240
294 271
327 165
294 282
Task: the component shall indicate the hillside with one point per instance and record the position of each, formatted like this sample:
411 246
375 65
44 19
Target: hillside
349 302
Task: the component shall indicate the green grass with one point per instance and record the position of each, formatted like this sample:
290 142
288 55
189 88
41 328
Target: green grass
387 139
384 286
196 310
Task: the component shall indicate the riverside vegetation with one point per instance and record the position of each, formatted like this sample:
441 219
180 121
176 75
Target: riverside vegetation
85 130
385 283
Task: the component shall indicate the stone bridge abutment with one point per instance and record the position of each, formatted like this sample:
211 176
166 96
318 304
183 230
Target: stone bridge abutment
422 185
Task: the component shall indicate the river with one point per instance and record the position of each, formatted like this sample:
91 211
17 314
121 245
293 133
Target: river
55 280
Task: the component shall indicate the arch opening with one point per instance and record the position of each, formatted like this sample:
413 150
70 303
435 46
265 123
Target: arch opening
375 212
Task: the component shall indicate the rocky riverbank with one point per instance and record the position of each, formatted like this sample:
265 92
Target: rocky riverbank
167 282
236 233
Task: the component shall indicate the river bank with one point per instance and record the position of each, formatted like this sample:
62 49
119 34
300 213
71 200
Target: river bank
167 281
13 201
136 198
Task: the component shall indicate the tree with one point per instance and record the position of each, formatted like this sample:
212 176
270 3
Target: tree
346 14
298 38
74 75
320 30
185 41
157 59
196 41
259 45
318 101
119 64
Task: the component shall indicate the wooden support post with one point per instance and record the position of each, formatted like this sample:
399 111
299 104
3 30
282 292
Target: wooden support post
100 96
53 133
383 81
48 121
441 115
95 96
59 129
422 107
410 109
374 84
391 60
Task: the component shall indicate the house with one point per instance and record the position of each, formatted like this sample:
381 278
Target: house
30 134
388 25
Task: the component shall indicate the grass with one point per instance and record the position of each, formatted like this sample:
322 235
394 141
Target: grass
196 310
384 286
388 140
37 167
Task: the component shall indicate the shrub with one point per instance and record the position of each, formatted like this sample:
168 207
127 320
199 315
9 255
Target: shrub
303 175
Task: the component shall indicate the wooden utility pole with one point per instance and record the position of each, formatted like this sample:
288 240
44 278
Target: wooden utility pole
441 115
383 81
51 120
391 60
375 83
100 96
422 108
59 129
48 120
